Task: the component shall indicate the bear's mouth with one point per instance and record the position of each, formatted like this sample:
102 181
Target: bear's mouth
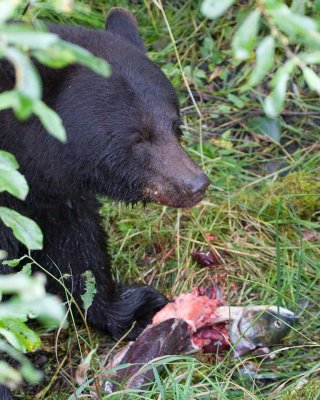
173 199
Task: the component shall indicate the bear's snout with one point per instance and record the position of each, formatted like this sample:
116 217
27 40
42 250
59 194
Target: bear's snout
176 180
175 189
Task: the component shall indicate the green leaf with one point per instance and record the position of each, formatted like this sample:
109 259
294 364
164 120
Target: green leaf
316 8
264 61
215 8
54 57
28 82
8 160
21 104
9 99
26 270
23 108
245 37
298 6
50 312
19 335
64 6
24 229
236 100
23 37
312 79
30 374
50 120
47 48
272 4
90 290
12 263
29 290
10 179
274 102
7 9
267 126
13 182
85 58
208 46
310 58
293 24
297 24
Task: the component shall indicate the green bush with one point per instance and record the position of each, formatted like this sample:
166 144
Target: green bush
19 43
278 37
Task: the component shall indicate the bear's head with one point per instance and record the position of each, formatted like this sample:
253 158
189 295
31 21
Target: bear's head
123 132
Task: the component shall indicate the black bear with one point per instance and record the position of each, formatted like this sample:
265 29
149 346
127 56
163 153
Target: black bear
123 142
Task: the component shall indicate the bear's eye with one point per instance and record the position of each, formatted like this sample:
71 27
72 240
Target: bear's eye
141 136
139 139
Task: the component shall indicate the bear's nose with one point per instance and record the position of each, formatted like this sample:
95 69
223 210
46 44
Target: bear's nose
199 183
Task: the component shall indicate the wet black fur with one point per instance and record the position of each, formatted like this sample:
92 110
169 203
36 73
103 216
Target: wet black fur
122 143
122 139
102 118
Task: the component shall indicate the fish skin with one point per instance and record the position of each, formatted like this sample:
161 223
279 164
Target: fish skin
172 336
252 327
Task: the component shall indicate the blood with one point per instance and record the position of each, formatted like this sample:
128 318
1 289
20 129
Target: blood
212 338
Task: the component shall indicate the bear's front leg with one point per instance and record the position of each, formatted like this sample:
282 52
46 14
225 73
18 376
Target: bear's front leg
76 243
127 312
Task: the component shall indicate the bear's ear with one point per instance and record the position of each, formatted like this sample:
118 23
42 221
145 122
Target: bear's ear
123 23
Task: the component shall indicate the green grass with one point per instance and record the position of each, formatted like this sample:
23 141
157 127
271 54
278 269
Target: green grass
265 258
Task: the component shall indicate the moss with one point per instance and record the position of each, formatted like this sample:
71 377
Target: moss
298 183
309 391
305 199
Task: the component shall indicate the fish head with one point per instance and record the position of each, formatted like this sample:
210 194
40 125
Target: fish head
264 326
259 326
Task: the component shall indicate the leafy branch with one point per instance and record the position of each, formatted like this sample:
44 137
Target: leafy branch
285 27
20 44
